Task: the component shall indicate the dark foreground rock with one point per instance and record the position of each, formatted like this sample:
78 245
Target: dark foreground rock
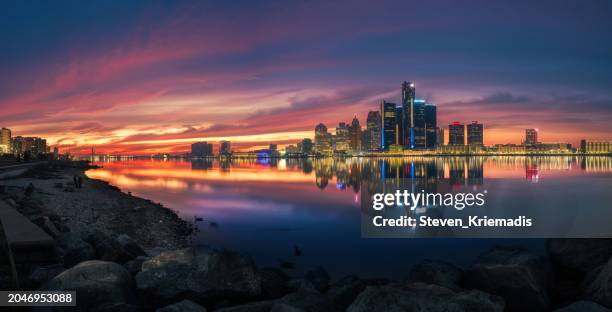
43 274
183 306
201 274
579 254
583 306
73 249
120 249
422 297
99 285
304 301
515 274
274 283
315 279
597 285
438 273
343 292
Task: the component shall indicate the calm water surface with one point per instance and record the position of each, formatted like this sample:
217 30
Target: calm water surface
265 208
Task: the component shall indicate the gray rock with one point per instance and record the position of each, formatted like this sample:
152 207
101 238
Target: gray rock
134 266
303 301
202 273
41 275
99 285
518 276
49 227
107 248
597 285
274 283
183 306
436 272
578 254
420 297
315 279
261 306
583 306
73 250
343 292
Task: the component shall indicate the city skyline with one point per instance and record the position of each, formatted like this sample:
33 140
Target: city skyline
158 77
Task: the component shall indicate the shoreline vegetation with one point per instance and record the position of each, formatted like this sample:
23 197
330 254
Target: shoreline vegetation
124 253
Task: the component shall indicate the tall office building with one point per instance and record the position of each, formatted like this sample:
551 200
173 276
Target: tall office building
342 138
5 141
373 131
475 133
201 149
306 146
323 142
32 145
418 124
388 122
531 136
431 124
225 148
399 126
439 136
408 97
355 135
456 134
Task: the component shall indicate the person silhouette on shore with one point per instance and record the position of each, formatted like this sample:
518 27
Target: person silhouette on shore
75 180
80 182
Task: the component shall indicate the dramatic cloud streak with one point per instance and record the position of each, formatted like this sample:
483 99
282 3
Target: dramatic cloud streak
146 77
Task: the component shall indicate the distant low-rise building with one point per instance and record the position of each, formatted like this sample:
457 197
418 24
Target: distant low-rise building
590 147
32 145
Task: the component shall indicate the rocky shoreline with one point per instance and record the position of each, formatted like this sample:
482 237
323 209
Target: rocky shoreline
123 253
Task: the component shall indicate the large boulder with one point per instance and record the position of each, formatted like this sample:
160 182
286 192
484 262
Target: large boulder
99 285
259 306
579 254
597 285
315 279
304 301
121 249
343 292
583 306
201 274
513 273
274 283
436 272
182 306
419 297
73 249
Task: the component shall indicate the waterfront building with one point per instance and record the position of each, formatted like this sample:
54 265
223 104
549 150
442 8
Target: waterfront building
508 149
355 135
388 122
531 136
341 141
373 135
201 149
5 141
456 134
475 134
323 139
453 149
399 126
225 148
408 97
32 145
418 125
292 150
590 147
439 136
431 126
306 146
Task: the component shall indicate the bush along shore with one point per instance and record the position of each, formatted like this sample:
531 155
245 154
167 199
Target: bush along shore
123 253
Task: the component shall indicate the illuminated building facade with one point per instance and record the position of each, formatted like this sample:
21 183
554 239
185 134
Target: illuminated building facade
456 134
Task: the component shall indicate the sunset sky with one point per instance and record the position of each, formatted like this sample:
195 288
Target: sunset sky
144 77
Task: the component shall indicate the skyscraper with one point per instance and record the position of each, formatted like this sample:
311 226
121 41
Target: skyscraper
373 130
306 146
201 149
439 136
5 140
456 134
322 139
408 97
342 138
475 134
225 148
388 122
531 136
355 135
431 124
418 124
399 126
